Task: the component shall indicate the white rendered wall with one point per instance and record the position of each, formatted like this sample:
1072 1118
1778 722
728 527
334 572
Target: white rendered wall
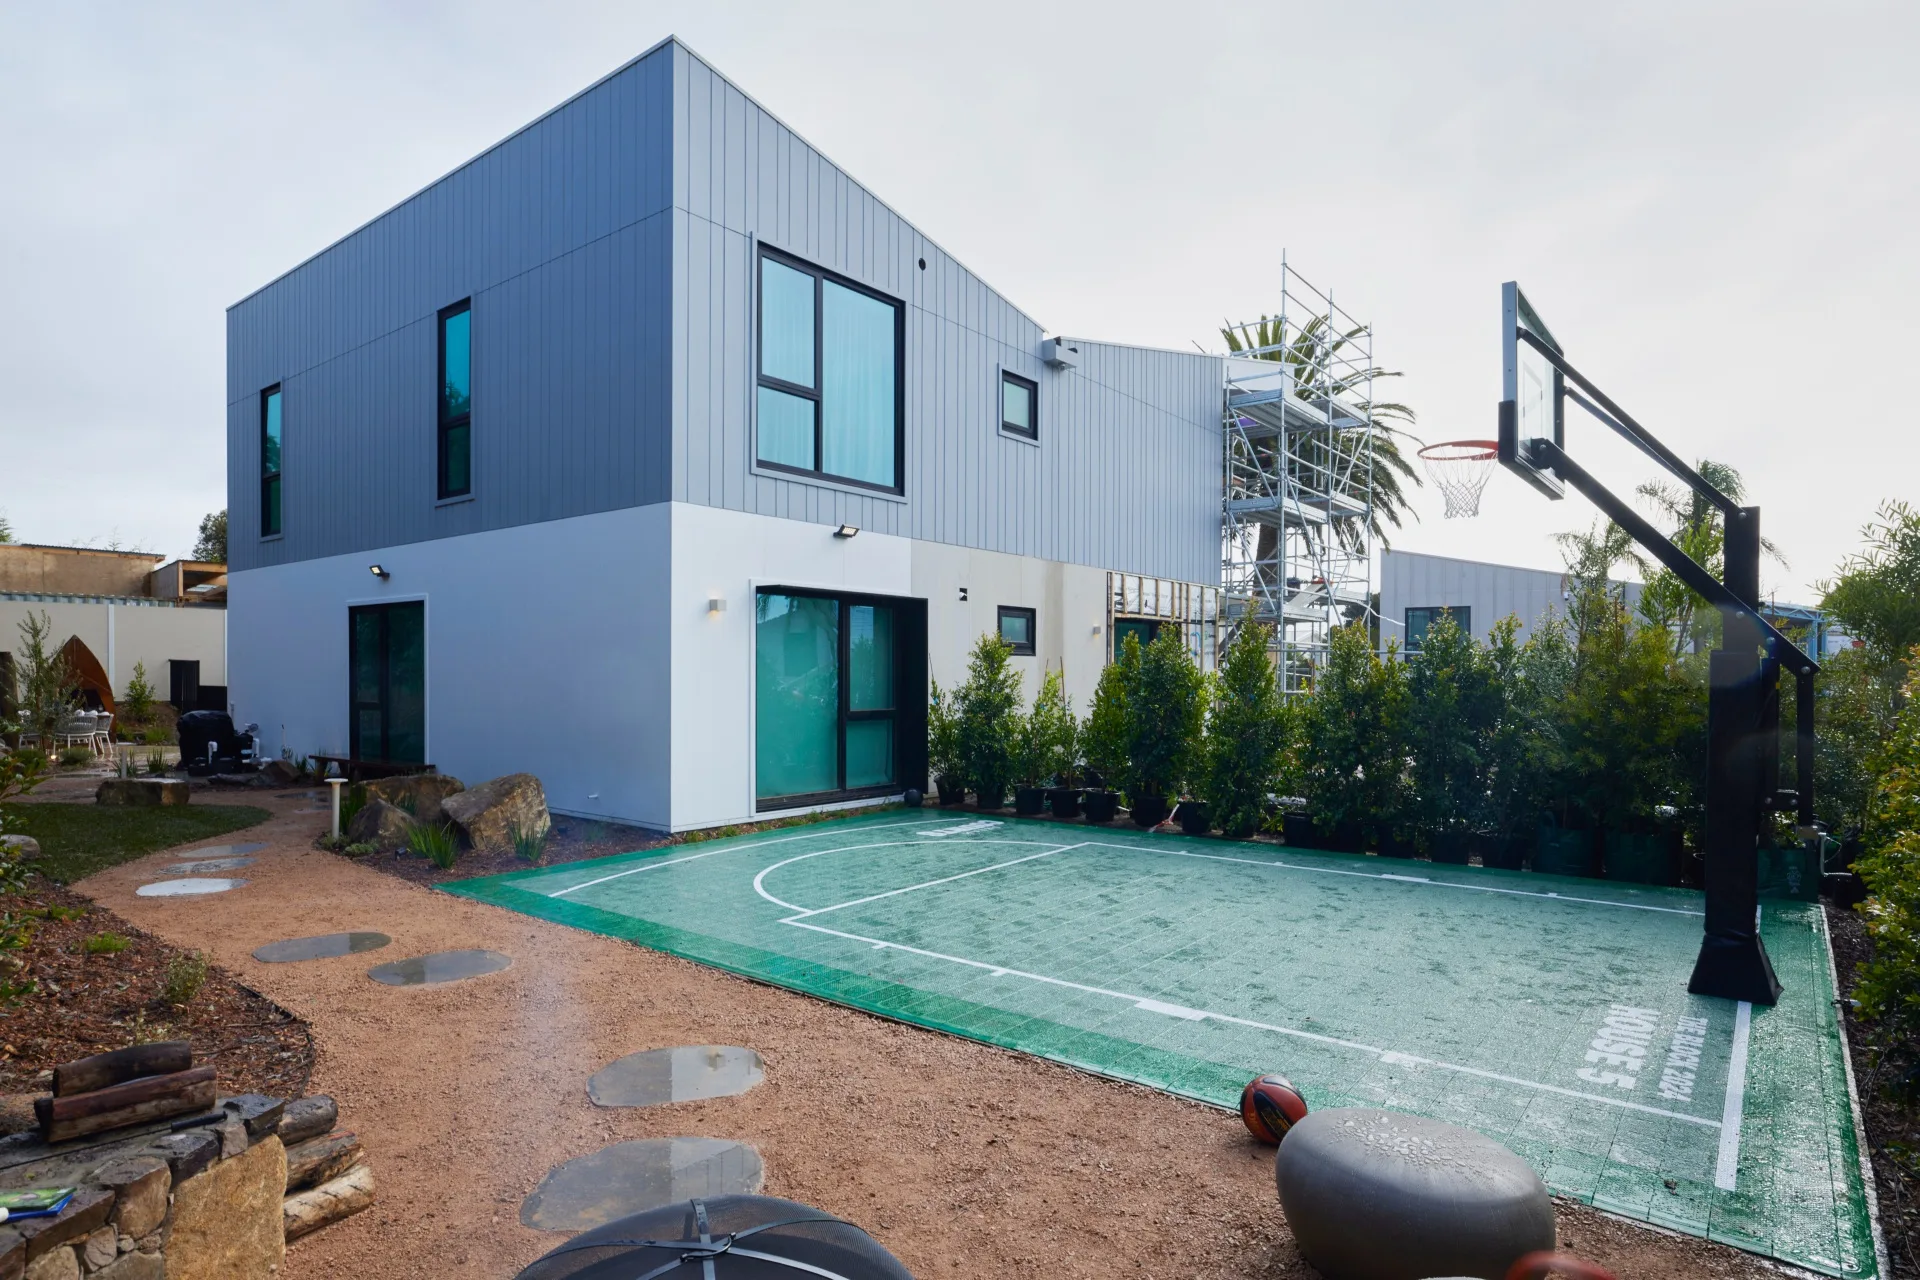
547 652
122 634
1069 601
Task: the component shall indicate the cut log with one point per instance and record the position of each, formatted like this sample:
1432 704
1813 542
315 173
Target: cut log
321 1160
327 1203
136 1102
308 1118
162 1058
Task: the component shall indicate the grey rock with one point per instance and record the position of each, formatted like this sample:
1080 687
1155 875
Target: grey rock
258 1112
25 848
141 793
421 794
134 1266
58 1264
102 1247
308 1118
489 813
188 1153
382 825
142 1184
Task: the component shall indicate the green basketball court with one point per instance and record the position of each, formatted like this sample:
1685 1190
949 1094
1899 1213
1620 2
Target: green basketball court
1551 1014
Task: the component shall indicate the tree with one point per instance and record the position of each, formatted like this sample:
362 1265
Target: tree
1245 733
1697 527
1453 708
136 705
47 683
988 707
1047 735
1354 768
1104 738
943 739
1876 597
1889 987
1165 713
6 530
212 546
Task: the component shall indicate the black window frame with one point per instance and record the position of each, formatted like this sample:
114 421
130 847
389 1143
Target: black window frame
821 277
270 481
447 422
1462 615
1032 646
383 705
1032 389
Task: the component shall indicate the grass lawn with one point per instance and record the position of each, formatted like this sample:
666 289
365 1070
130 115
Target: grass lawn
77 840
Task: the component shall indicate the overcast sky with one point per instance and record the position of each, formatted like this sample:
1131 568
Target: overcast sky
1713 205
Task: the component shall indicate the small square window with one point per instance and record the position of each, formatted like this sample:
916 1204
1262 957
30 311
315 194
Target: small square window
1420 619
1019 405
1018 628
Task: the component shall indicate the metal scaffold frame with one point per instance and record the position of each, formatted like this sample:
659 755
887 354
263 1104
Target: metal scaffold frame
1297 518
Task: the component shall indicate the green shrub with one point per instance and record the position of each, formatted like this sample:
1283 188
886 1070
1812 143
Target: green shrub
1889 985
528 846
106 944
1103 739
70 757
1046 738
359 850
1165 715
1245 734
136 704
155 736
435 843
988 712
1453 709
1353 767
156 762
943 738
351 804
16 927
186 974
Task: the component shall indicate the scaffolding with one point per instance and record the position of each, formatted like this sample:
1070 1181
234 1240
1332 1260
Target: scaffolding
1297 524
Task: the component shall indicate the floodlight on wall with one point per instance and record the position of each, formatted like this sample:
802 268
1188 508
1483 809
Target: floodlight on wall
846 531
379 571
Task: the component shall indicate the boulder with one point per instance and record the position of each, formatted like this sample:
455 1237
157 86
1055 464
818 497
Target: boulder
141 793
421 794
280 772
489 813
142 1184
227 1221
25 848
384 826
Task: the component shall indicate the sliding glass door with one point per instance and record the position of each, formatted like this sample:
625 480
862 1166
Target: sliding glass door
827 689
387 678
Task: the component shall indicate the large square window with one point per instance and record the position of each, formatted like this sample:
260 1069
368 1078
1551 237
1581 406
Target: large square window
456 401
830 400
1019 406
1018 628
270 441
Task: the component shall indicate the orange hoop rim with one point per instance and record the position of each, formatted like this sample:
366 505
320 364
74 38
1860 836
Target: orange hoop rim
1469 451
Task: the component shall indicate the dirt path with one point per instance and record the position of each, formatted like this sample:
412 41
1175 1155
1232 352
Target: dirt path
962 1159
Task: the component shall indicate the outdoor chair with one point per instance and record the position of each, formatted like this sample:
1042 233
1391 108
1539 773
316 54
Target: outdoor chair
75 729
103 733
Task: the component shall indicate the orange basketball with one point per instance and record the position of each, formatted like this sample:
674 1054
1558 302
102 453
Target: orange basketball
1270 1106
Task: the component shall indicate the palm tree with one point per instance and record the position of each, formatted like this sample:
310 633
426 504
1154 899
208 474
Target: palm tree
1697 527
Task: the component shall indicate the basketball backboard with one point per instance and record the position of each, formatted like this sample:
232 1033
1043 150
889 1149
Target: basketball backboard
1533 392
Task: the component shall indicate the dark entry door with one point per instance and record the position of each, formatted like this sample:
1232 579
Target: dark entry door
387 679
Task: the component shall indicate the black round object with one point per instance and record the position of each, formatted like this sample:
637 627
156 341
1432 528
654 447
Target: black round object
743 1237
912 798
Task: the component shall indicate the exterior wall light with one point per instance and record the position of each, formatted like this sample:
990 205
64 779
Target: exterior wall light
379 571
716 604
846 531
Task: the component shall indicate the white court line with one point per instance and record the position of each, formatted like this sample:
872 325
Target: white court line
1726 1169
926 884
1388 1056
761 889
734 848
1377 875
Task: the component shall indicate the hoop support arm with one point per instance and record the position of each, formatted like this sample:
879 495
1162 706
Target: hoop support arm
1617 418
1684 567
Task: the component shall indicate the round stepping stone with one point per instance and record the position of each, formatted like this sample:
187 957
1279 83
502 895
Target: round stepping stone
632 1177
683 1074
325 946
188 888
227 850
1376 1195
210 864
439 966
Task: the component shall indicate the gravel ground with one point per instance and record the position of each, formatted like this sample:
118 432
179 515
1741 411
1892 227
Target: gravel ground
963 1159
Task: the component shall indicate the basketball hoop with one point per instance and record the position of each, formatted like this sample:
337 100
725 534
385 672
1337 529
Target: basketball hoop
1460 469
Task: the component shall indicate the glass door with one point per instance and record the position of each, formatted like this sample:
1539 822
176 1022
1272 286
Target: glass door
825 686
387 682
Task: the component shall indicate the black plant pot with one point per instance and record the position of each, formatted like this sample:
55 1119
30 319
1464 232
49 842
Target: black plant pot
1102 806
1064 801
1148 811
1503 853
1450 847
1194 819
995 799
952 790
1346 837
1393 846
1029 802
1298 831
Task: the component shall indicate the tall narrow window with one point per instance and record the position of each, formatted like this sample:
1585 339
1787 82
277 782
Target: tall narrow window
387 682
1019 406
830 401
270 462
456 400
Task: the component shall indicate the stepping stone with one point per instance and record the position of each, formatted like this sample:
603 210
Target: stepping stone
632 1177
227 850
439 966
185 888
325 946
683 1074
210 864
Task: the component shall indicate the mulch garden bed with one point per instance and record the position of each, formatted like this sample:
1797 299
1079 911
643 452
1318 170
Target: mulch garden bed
1888 1078
87 1004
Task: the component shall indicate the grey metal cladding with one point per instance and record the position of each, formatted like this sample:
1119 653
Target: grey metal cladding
608 249
1127 471
562 237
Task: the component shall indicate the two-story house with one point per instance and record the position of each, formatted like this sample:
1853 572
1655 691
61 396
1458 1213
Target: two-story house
650 453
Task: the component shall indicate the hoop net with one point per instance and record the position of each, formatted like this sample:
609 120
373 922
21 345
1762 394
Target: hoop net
1460 470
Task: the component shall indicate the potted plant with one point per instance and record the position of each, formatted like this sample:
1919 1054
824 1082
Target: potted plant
1452 709
1353 775
1103 739
1043 744
1165 712
1245 736
987 711
943 747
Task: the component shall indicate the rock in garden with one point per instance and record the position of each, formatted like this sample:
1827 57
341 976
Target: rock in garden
226 1222
280 773
382 825
420 793
25 848
141 792
142 1183
490 813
